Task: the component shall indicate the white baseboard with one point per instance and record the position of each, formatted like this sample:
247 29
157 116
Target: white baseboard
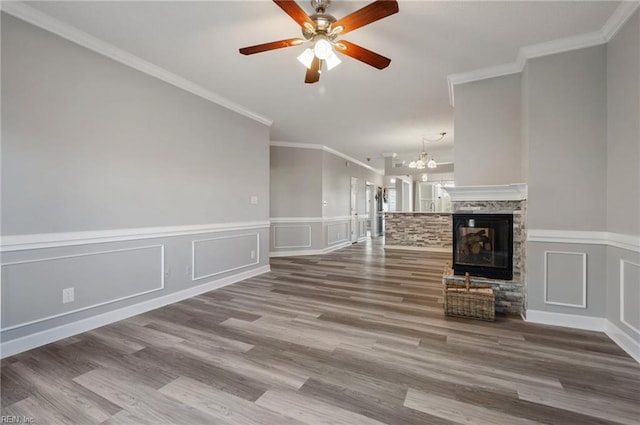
418 248
624 341
38 339
575 321
599 324
301 252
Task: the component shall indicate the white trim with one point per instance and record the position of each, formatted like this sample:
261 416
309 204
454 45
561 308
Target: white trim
326 149
620 16
575 321
567 236
275 239
629 242
584 279
617 19
362 239
622 284
66 313
480 74
598 324
624 341
38 339
278 220
42 20
417 248
553 47
506 192
193 255
54 240
617 240
345 242
336 219
309 251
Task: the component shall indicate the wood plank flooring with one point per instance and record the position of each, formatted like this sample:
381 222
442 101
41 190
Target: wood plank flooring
354 337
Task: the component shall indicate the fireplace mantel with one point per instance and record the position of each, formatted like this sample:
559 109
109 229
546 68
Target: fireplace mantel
507 192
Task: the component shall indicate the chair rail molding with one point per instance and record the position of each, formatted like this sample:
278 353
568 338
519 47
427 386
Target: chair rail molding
617 240
54 240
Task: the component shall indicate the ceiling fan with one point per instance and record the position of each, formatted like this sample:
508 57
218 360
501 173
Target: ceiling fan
322 29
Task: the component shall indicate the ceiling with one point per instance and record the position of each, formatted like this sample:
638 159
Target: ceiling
355 109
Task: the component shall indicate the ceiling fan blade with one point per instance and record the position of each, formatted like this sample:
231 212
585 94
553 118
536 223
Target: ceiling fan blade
271 46
313 73
377 10
292 9
362 54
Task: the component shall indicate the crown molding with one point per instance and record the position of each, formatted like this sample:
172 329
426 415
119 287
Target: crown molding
622 13
68 32
619 17
325 149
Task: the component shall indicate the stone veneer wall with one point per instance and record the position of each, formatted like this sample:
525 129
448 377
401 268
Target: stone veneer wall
419 230
510 294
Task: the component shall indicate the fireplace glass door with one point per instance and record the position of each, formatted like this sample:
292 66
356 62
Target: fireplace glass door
483 245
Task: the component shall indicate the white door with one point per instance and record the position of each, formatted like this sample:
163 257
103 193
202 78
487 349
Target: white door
354 210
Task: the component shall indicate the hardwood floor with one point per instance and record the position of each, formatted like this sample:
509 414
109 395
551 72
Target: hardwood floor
354 337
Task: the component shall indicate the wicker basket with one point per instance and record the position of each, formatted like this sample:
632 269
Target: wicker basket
477 302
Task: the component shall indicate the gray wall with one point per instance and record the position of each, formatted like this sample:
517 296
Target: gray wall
623 174
623 130
91 147
566 121
488 132
296 182
566 138
90 144
336 185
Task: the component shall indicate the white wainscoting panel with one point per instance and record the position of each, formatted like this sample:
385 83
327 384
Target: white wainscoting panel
28 342
337 233
362 228
630 294
292 236
98 278
565 278
214 256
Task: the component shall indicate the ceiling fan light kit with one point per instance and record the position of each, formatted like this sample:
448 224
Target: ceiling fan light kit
322 29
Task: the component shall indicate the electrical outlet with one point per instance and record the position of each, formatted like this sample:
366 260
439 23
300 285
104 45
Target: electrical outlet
68 295
167 273
188 271
253 254
254 200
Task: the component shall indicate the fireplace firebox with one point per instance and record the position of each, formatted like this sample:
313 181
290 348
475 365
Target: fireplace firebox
483 245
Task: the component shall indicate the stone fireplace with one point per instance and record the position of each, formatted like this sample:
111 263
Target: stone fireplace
484 253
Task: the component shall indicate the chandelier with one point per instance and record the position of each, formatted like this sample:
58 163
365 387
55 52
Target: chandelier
423 159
